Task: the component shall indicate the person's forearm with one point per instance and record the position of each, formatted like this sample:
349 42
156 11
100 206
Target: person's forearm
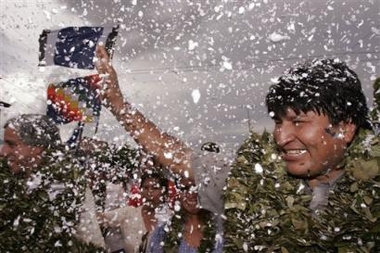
166 149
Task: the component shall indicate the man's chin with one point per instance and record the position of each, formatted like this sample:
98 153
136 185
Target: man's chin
298 171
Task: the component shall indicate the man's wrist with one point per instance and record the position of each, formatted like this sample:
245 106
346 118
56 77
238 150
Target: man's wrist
128 109
123 109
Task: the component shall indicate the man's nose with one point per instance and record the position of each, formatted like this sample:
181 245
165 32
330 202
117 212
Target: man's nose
284 134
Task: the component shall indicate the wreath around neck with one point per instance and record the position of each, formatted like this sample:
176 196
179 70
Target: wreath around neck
267 210
40 213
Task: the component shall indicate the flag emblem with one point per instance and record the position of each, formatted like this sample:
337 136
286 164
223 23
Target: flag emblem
74 100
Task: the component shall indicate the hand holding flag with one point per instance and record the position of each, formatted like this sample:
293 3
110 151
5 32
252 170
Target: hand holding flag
111 94
74 47
77 99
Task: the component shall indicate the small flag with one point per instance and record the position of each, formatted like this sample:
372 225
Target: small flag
74 47
75 100
75 139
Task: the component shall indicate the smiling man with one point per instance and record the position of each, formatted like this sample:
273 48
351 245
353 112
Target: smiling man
314 186
317 108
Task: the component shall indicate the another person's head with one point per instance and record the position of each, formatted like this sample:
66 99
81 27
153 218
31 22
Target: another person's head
188 195
26 137
318 107
154 189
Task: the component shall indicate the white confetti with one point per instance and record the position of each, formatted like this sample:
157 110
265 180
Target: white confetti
192 45
168 155
245 247
276 37
196 95
291 27
258 168
227 65
47 14
375 30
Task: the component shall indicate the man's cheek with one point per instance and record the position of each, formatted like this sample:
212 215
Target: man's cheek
15 168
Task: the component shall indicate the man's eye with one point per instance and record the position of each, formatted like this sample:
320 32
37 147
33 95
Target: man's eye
11 145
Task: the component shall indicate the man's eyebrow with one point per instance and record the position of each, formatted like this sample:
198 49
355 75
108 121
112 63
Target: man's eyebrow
298 116
304 115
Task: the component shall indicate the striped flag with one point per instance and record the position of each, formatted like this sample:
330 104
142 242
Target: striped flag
75 100
74 47
74 141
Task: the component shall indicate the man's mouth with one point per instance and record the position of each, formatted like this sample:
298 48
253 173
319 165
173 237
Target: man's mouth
294 152
192 201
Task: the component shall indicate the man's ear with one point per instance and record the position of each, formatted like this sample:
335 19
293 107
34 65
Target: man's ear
348 130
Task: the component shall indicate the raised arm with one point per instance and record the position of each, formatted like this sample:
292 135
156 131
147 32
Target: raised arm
167 150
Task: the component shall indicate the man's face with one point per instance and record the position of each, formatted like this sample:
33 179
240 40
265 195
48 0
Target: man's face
20 156
309 144
152 192
188 196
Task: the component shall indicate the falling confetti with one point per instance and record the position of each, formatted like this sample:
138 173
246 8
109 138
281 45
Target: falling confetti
196 95
276 37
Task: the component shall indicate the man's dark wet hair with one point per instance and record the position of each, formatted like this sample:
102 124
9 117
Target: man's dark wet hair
325 86
163 181
35 130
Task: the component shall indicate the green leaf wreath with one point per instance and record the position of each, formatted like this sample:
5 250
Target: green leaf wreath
39 214
267 211
114 164
375 113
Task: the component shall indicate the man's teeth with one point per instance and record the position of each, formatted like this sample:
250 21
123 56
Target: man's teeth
192 201
295 152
